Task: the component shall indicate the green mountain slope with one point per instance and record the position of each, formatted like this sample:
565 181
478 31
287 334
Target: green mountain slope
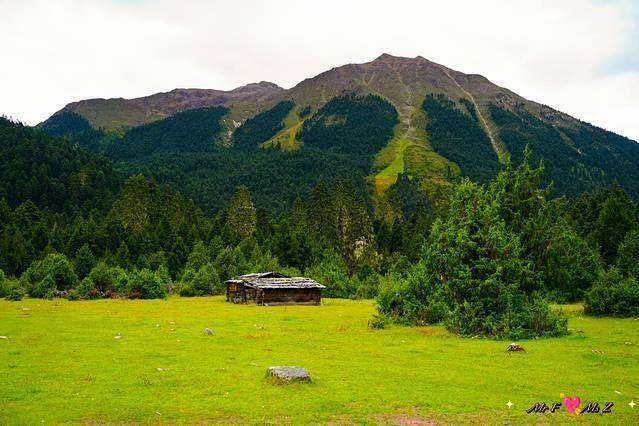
447 124
181 150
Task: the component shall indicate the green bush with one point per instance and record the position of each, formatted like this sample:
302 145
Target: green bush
570 266
146 284
45 288
103 278
414 300
10 289
4 284
58 269
203 283
613 294
379 321
73 295
121 282
628 260
15 293
87 290
332 272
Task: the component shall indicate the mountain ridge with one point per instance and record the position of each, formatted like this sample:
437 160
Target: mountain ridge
99 112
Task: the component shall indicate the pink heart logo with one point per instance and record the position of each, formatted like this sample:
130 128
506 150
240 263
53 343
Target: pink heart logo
572 403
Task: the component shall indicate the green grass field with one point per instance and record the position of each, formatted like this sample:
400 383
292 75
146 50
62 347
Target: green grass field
60 363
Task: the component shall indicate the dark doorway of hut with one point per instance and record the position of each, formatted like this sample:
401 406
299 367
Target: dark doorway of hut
272 289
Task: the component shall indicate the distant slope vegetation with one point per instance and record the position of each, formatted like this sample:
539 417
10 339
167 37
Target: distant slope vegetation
357 125
576 159
75 128
53 173
189 131
178 150
67 123
262 126
458 136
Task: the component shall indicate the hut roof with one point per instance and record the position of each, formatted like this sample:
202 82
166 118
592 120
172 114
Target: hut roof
274 280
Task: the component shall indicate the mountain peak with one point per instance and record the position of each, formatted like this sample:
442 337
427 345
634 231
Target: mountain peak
259 85
386 57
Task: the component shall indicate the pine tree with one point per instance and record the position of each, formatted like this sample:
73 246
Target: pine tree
122 256
198 257
242 217
298 214
616 219
84 261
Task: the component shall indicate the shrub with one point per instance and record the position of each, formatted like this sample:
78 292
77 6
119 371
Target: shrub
369 286
331 271
379 321
145 284
613 294
87 290
121 280
103 277
45 288
628 260
205 282
73 295
415 300
4 284
15 293
55 266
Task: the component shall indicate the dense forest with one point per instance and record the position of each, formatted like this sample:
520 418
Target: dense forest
576 159
262 126
189 131
458 136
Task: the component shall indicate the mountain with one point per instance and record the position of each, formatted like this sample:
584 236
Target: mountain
371 122
110 114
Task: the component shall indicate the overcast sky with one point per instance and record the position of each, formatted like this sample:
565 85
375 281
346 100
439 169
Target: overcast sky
579 56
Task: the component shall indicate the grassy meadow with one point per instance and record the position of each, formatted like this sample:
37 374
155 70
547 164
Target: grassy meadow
61 363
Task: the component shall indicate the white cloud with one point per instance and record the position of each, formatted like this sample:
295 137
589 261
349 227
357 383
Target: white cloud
549 51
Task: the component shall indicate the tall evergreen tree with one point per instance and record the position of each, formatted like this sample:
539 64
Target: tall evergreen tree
242 217
84 261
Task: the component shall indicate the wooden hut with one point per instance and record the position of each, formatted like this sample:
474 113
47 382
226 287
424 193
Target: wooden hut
272 288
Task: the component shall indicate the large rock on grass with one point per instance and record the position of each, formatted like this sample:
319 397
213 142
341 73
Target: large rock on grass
288 374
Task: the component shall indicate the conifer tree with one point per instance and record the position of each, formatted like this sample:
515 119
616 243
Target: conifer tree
84 261
242 216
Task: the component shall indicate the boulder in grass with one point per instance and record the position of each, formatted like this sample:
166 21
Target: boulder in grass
288 374
514 347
